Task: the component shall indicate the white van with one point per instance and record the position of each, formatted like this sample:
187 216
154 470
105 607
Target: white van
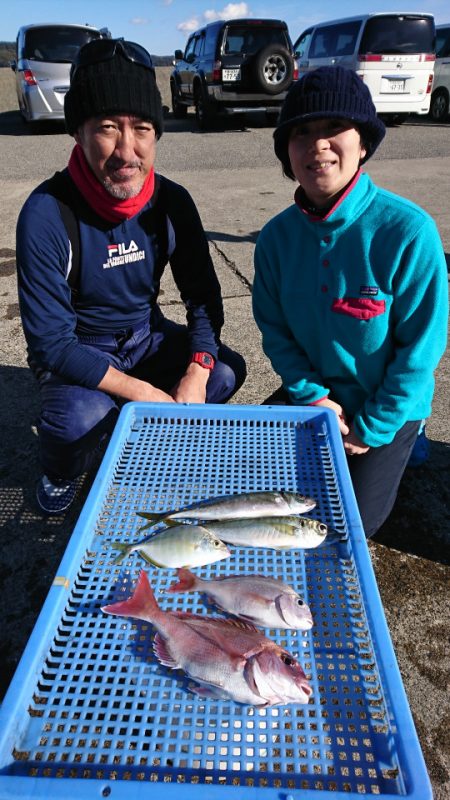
393 53
44 54
440 97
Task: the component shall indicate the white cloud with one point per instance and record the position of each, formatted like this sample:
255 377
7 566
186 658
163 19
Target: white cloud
189 25
139 21
230 11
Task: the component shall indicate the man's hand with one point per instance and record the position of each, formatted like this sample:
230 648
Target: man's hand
191 388
353 445
339 411
129 388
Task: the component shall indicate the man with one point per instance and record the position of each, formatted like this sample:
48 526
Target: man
88 291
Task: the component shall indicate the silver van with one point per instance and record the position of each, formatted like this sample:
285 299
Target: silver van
393 53
44 54
440 97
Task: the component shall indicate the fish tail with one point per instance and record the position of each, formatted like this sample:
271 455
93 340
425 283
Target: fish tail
141 605
186 581
124 549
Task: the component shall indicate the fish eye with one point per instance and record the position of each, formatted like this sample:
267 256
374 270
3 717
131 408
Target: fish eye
216 543
288 660
300 602
323 528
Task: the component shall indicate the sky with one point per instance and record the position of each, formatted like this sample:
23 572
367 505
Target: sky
162 26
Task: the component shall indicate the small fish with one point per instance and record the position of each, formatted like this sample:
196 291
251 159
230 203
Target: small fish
256 598
247 505
181 546
277 533
226 658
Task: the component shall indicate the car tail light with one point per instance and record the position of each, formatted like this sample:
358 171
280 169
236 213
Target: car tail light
368 57
217 66
29 78
429 57
295 73
430 83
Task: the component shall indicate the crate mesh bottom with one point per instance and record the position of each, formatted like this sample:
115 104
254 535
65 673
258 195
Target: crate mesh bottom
103 707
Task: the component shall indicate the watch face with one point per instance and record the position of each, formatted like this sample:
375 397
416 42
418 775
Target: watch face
204 359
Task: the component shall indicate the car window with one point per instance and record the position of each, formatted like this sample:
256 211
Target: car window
398 34
442 42
302 43
199 45
59 45
335 40
242 39
189 48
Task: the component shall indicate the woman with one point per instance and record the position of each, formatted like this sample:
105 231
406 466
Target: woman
350 290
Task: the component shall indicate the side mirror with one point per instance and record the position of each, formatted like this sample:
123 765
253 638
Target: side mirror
13 65
179 55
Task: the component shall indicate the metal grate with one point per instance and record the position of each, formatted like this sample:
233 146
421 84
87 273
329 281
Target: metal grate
90 702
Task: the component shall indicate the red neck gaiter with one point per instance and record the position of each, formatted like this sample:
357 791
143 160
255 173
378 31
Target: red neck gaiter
103 203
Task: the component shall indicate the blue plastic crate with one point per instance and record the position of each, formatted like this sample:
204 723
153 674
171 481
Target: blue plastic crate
91 713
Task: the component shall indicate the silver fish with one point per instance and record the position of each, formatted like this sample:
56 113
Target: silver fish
225 658
259 599
247 505
181 546
277 533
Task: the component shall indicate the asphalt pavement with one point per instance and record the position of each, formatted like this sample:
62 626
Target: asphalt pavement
410 554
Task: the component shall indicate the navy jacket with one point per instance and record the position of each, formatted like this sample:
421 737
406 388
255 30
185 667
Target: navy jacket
118 282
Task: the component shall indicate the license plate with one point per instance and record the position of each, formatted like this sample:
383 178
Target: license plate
396 86
231 74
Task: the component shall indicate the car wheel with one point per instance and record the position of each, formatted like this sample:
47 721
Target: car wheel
273 69
439 106
203 111
179 110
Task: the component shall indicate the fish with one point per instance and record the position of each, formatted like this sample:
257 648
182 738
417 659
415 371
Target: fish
246 505
258 599
277 533
226 658
180 546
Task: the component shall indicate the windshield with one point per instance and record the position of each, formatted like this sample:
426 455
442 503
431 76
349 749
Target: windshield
56 44
247 39
399 34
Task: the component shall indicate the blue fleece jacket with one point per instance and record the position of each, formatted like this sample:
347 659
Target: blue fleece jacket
118 285
355 305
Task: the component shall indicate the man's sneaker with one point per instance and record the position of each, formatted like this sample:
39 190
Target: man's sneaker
421 450
55 497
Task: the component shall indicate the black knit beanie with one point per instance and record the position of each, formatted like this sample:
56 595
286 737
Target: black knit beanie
114 86
324 93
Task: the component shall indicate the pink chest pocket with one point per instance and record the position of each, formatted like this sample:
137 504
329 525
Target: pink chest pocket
358 307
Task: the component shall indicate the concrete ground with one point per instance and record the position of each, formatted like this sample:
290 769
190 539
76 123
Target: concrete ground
410 554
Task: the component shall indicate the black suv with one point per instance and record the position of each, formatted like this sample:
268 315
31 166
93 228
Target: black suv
233 66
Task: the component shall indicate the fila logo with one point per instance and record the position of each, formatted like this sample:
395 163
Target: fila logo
121 249
119 254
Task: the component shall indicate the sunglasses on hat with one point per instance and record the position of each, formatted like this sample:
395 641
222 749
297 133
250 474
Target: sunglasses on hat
104 49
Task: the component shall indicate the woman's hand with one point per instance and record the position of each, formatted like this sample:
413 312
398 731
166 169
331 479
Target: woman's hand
353 445
339 411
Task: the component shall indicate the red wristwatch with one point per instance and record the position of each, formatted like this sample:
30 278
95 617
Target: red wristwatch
204 359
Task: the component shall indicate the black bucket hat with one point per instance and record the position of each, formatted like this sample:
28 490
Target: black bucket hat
112 76
326 93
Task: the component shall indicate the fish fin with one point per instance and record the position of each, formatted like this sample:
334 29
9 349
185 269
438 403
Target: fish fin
141 605
124 548
162 653
186 581
212 692
154 517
